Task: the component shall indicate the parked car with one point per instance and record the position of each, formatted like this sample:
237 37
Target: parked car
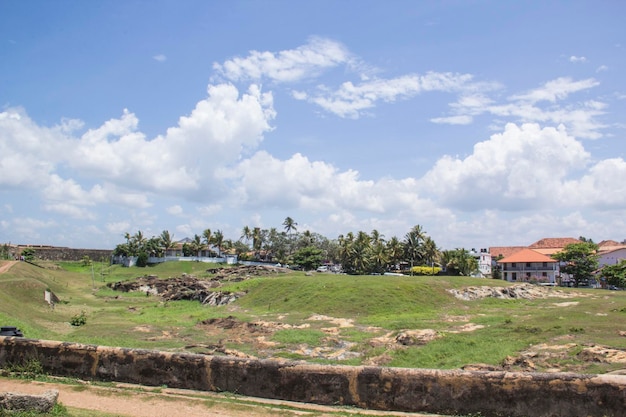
10 331
322 268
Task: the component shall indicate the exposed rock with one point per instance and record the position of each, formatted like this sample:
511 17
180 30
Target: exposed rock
12 401
240 273
182 288
521 291
416 337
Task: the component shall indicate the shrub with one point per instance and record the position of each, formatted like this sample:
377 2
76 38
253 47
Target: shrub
79 319
425 270
142 260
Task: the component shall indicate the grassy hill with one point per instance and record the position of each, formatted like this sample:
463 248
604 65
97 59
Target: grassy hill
380 320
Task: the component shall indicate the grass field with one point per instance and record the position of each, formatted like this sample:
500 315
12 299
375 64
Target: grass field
323 318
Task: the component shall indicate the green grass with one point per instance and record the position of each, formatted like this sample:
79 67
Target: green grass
377 305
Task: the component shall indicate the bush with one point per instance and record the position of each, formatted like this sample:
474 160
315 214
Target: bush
142 260
425 270
79 319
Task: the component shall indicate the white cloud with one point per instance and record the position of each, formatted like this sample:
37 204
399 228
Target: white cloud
160 58
454 120
350 100
576 59
520 168
554 90
286 66
175 210
118 228
602 68
602 187
581 118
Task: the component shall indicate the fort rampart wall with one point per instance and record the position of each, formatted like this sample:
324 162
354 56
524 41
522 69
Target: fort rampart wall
452 392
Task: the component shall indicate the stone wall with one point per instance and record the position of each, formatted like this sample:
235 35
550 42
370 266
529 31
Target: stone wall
451 392
55 253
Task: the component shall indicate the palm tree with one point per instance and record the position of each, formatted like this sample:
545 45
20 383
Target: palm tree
167 241
218 240
413 242
431 253
290 225
257 239
246 234
197 245
395 251
208 238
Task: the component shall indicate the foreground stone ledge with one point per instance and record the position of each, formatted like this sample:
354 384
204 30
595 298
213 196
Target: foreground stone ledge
454 392
15 401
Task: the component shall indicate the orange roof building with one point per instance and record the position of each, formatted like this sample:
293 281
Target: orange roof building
528 265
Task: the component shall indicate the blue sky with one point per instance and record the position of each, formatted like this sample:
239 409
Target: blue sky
489 123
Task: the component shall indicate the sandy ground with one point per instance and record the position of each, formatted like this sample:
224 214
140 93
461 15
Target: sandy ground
137 401
5 266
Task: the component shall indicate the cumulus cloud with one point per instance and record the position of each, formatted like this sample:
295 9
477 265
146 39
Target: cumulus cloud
123 164
513 170
160 58
577 59
290 65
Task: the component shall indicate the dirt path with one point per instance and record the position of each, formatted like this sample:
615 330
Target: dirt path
137 401
5 266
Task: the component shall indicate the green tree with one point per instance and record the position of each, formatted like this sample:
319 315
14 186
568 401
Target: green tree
615 274
290 225
459 262
197 245
308 258
28 254
218 241
207 236
166 241
579 260
413 245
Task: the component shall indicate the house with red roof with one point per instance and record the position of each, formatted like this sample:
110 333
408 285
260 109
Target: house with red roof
529 265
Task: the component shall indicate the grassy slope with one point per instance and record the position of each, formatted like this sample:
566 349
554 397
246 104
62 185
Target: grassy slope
389 303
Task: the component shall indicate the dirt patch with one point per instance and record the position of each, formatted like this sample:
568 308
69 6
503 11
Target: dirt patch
5 266
138 401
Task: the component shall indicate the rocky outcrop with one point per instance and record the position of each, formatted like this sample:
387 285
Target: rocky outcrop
182 288
522 291
12 401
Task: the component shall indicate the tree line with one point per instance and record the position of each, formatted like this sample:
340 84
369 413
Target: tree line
357 253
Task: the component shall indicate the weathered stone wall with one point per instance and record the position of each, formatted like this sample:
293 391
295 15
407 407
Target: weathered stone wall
54 253
450 392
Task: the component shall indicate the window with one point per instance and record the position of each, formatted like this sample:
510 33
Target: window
514 276
545 264
527 264
544 274
513 264
528 275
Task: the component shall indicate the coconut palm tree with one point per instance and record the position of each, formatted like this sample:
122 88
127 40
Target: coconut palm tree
413 244
197 245
290 225
246 234
218 240
430 251
166 241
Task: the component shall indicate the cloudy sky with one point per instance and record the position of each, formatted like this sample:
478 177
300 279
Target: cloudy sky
487 122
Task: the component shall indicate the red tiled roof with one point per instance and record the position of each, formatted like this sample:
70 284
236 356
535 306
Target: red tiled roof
609 243
553 242
505 251
526 255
